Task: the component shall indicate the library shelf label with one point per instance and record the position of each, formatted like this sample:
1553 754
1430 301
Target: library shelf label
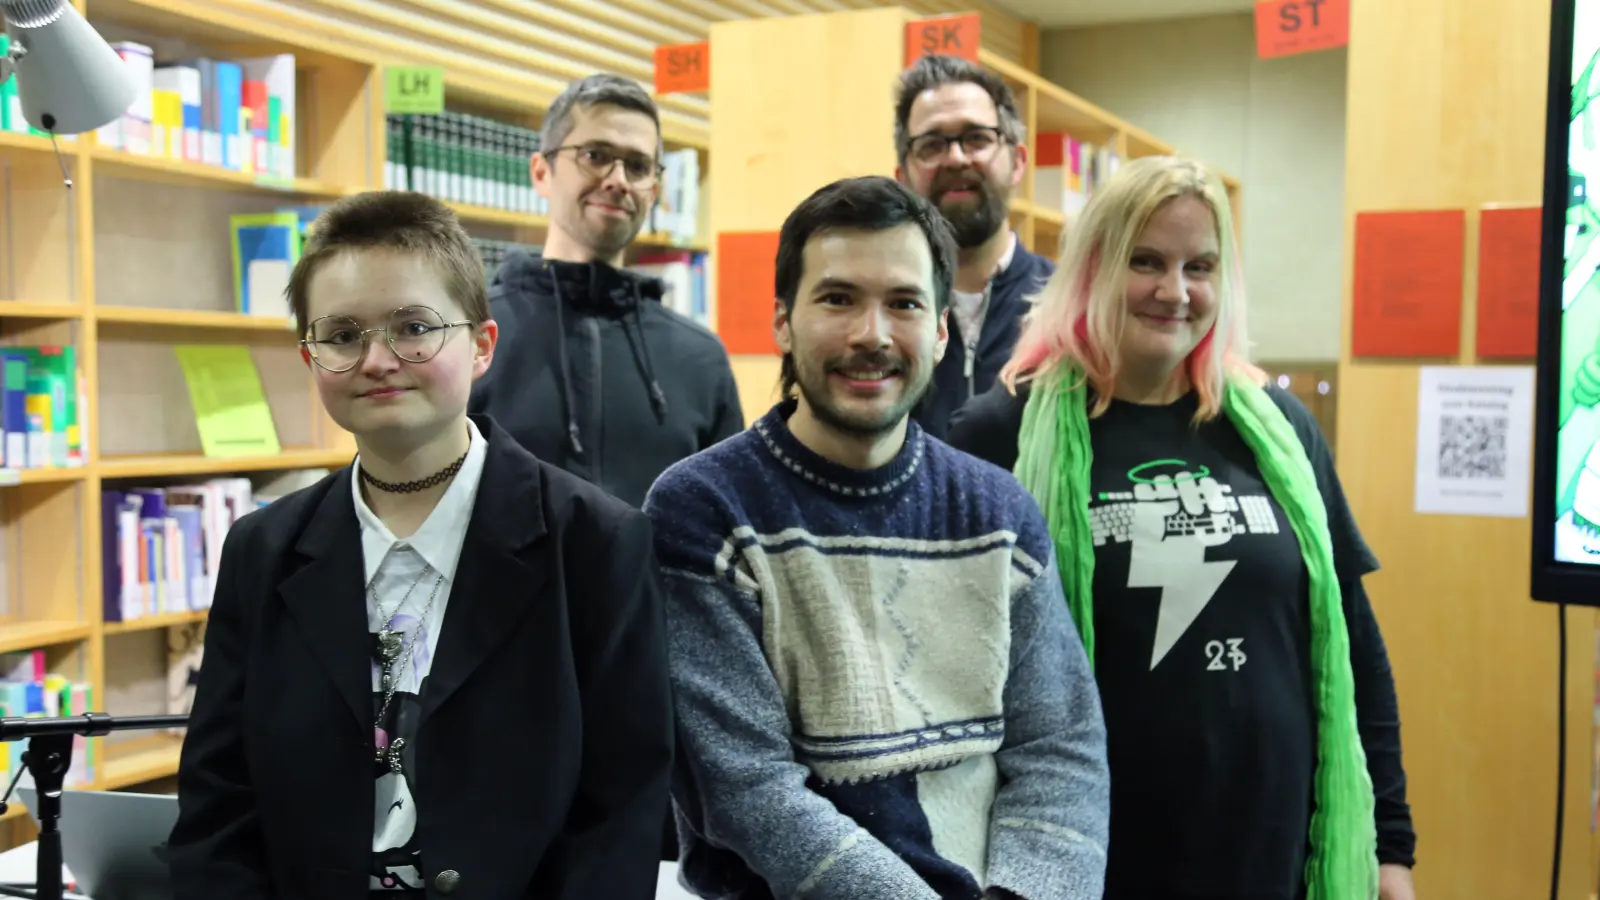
1288 27
683 68
413 90
944 36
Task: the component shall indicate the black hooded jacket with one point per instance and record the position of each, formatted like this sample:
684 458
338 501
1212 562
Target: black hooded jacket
593 374
1009 300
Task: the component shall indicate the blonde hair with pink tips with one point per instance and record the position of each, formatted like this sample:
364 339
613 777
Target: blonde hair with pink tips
1078 317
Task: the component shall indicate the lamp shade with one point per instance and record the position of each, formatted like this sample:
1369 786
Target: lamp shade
69 80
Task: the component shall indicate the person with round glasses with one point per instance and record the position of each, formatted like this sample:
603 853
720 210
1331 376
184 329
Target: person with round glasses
596 374
445 600
414 334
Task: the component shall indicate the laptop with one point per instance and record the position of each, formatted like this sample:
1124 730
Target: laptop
114 843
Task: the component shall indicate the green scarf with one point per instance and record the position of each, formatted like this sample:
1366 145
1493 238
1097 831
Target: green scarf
1053 463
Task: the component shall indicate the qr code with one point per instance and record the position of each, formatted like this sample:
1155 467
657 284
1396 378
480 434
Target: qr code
1473 446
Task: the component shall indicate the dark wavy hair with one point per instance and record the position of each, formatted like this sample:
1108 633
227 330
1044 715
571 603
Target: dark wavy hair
870 203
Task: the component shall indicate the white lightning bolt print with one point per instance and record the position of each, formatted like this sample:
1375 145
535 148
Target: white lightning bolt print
1176 564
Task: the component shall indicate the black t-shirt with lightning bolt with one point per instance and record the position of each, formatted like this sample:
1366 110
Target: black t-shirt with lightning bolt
1203 636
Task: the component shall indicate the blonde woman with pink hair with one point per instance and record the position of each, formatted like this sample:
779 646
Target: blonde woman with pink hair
1209 560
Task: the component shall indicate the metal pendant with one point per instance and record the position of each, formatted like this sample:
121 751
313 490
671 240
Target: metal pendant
389 645
390 756
388 681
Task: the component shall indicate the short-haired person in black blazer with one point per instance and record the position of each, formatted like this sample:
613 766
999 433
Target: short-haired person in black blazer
441 670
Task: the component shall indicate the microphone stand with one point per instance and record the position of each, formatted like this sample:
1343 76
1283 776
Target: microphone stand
47 759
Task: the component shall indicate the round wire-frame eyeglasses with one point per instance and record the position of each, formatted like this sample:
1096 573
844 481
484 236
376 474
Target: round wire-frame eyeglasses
339 343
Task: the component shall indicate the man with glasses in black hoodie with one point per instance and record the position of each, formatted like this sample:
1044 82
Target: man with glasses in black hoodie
592 372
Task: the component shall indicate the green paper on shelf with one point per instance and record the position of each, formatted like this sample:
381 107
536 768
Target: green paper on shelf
413 89
230 408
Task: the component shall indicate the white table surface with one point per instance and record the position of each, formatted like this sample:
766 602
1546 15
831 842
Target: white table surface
20 865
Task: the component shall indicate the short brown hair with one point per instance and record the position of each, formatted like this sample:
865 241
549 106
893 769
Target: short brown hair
402 221
600 89
937 70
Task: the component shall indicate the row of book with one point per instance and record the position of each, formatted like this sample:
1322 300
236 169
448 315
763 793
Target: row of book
478 161
41 393
162 545
684 272
236 114
265 247
495 252
464 159
29 690
1067 171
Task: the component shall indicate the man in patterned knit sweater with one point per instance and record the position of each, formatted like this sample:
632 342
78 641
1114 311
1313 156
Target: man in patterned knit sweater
880 693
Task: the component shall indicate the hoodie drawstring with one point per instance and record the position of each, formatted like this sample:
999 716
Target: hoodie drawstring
658 397
574 443
641 358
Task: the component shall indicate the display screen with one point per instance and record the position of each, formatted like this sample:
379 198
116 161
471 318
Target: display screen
1577 488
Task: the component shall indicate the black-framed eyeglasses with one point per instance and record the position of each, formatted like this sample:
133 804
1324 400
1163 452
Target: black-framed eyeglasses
414 333
978 142
598 160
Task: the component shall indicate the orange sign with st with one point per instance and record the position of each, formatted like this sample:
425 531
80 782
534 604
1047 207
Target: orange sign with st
683 68
1287 27
943 36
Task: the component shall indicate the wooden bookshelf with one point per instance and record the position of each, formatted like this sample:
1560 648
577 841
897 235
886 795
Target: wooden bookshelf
19 309
133 259
763 168
138 761
120 163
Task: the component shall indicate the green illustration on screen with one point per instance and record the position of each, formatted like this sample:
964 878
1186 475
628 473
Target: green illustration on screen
1578 443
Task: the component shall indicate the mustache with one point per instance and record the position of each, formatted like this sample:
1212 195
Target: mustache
624 201
959 182
870 361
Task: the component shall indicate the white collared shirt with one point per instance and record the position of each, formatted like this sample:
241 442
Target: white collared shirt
968 308
394 566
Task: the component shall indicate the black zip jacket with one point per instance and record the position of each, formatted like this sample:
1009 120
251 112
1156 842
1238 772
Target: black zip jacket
594 375
954 381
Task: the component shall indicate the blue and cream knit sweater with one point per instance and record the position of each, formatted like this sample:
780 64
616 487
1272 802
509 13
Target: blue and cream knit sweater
880 694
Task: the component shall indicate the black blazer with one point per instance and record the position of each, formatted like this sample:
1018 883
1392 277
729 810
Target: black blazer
546 739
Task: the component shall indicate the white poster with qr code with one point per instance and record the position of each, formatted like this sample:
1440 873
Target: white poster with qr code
1474 440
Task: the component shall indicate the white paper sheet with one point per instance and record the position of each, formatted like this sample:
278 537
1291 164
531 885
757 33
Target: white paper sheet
1474 440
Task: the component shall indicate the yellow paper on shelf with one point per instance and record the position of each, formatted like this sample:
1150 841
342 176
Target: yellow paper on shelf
230 407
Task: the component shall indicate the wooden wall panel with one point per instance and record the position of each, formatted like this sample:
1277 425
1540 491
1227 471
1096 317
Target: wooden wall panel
1445 110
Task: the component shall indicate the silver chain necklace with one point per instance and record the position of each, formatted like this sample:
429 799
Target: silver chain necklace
392 649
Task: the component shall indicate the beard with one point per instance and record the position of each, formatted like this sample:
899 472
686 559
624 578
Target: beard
972 221
816 389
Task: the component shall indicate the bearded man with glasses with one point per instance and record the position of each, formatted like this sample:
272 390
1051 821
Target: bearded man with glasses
595 375
961 145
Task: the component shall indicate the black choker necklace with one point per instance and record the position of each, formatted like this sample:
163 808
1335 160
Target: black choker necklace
411 487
